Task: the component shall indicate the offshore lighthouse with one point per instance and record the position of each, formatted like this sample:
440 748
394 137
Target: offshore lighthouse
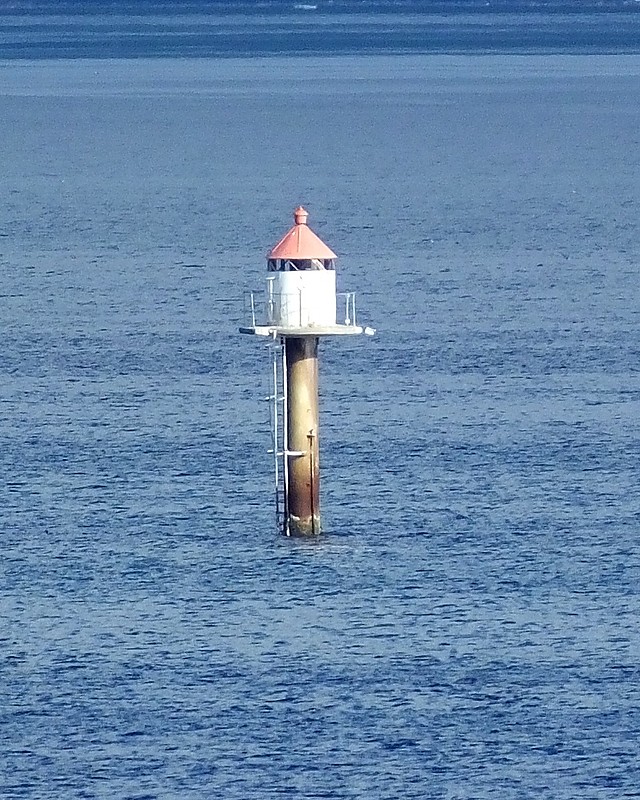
301 305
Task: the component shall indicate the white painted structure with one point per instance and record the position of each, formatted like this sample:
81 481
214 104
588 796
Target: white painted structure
301 298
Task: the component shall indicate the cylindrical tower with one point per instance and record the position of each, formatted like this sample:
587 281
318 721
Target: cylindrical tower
303 446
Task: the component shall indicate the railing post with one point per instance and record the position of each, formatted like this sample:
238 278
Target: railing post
270 301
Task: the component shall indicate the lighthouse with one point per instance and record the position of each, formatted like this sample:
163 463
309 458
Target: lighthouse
300 305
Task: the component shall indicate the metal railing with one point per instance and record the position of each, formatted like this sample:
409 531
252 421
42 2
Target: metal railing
250 306
256 305
349 300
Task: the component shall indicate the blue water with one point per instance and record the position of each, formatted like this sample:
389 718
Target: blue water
467 627
33 29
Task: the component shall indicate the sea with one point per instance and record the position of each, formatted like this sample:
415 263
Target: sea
467 626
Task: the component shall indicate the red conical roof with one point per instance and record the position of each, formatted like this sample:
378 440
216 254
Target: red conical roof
301 242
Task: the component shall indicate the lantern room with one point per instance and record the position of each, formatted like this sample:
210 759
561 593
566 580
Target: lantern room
301 280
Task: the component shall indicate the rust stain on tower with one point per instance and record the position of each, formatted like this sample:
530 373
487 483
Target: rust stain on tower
301 305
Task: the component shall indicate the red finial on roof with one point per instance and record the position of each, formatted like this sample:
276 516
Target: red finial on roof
300 242
301 215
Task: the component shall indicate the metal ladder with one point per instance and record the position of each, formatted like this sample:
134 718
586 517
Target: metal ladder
279 433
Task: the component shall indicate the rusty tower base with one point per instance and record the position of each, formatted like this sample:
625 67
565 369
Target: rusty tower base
302 501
